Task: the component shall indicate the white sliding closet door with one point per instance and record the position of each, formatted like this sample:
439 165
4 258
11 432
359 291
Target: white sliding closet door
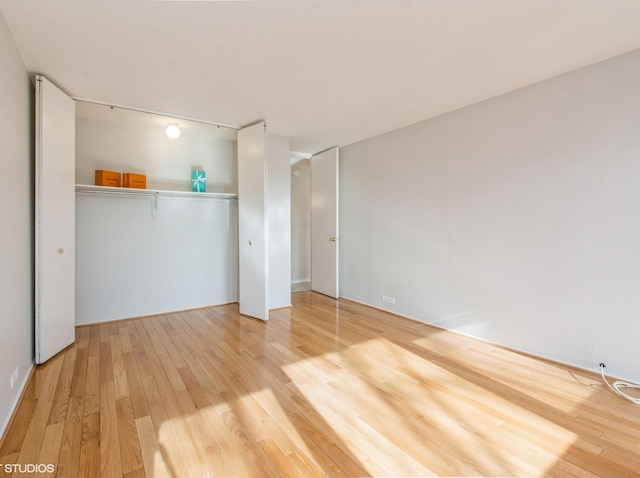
252 222
55 220
324 222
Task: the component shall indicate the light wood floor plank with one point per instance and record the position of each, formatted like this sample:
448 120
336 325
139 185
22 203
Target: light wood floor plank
90 447
121 384
51 445
92 389
61 397
150 449
110 459
129 444
9 459
69 462
326 388
14 440
47 377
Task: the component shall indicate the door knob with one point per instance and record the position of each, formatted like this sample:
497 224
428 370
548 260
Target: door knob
61 251
333 239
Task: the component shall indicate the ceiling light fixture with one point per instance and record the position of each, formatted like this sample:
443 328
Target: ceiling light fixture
173 131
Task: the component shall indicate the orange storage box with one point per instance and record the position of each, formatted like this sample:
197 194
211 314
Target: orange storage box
133 180
108 178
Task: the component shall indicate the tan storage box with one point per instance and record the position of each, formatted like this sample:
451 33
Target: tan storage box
133 180
108 178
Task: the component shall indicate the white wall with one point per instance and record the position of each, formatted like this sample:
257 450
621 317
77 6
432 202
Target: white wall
301 222
16 214
134 258
279 220
515 220
129 141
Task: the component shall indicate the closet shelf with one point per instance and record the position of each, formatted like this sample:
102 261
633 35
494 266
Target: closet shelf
90 189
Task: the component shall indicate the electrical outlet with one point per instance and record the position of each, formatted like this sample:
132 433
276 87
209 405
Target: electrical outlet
14 377
388 300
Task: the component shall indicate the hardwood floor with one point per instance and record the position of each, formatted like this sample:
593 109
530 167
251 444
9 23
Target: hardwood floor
327 388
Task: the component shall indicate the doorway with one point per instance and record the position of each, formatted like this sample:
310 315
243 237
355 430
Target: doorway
300 224
315 237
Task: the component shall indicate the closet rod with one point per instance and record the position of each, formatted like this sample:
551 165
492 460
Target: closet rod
88 189
159 113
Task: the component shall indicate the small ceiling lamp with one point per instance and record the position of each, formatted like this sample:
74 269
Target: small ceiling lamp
173 131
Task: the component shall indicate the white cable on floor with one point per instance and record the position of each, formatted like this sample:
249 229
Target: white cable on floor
618 385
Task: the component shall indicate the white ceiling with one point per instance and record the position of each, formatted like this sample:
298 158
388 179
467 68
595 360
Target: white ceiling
324 72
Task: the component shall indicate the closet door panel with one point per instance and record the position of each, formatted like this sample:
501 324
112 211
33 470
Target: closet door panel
252 222
55 220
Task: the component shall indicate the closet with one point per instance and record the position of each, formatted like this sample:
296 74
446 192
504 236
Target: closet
163 249
111 253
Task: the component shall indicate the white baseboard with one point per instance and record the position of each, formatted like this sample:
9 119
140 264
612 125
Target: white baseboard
301 281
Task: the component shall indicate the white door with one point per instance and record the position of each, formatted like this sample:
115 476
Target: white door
324 222
55 204
252 222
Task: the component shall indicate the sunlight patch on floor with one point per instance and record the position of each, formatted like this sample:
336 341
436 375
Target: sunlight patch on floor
404 399
478 385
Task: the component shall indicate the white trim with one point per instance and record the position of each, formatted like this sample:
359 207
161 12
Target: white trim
38 219
301 281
